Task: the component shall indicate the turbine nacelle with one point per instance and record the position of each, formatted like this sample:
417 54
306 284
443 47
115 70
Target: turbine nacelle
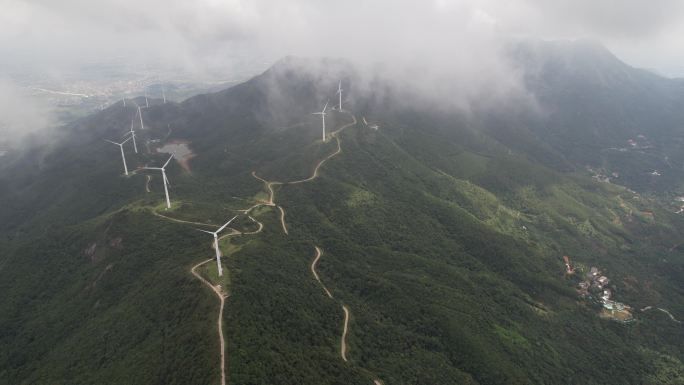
216 246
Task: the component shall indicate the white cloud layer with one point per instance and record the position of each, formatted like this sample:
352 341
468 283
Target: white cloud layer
458 38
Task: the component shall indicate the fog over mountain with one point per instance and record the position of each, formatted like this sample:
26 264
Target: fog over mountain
420 42
493 193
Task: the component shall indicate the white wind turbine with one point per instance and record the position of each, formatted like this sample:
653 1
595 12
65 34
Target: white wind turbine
132 133
165 180
124 102
142 126
339 92
147 104
163 93
216 245
322 114
123 157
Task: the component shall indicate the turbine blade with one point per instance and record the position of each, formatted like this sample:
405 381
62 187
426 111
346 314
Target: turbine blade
205 231
324 107
167 162
129 138
227 223
106 140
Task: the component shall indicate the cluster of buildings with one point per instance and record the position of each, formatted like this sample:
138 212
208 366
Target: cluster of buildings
601 175
596 286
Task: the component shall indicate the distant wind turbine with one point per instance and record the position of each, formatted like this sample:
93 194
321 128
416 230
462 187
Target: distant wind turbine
165 180
322 114
147 104
124 102
163 93
132 133
142 126
123 157
216 245
339 92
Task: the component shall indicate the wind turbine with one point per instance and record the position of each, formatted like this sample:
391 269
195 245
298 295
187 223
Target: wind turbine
124 102
165 180
123 157
163 93
339 92
135 146
142 126
147 104
322 114
216 245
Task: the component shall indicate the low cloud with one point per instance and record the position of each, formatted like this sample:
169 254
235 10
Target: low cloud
22 114
450 48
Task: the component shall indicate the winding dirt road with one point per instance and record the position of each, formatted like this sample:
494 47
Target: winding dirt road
345 324
343 340
315 274
339 149
222 299
181 220
664 311
282 220
271 202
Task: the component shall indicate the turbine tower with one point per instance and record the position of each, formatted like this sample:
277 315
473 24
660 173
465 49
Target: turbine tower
339 92
165 180
322 114
124 102
216 246
142 126
123 157
132 133
163 93
147 104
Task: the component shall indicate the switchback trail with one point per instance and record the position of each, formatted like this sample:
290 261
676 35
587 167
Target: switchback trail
345 309
315 274
664 311
217 289
222 299
271 202
314 175
180 220
343 340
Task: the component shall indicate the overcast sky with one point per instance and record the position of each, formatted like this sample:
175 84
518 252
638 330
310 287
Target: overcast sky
431 39
201 33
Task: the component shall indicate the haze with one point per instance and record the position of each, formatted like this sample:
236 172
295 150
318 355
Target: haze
215 39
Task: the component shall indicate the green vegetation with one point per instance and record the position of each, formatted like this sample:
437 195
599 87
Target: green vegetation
444 240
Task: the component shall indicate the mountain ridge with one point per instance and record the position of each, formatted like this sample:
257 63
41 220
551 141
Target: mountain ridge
443 236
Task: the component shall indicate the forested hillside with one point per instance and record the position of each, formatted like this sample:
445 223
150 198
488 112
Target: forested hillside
412 246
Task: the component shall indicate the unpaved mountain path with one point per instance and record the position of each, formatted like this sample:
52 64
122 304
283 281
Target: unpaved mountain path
345 309
269 184
343 339
217 288
181 220
282 220
664 311
315 274
219 323
271 202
